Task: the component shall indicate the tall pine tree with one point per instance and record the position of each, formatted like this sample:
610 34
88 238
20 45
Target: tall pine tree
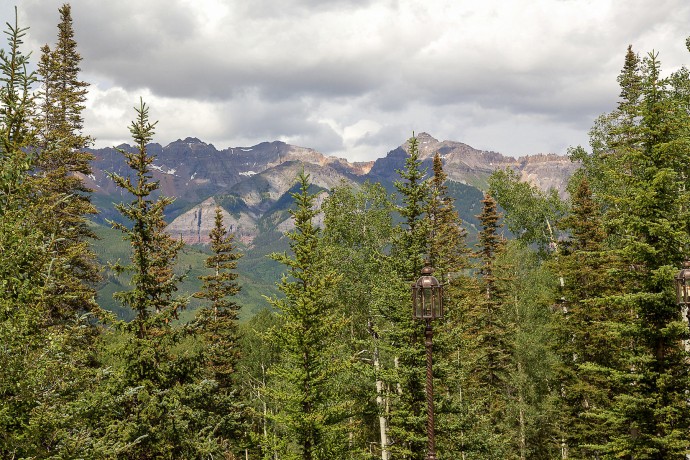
403 349
217 325
586 323
447 248
154 402
304 381
44 364
61 165
488 336
638 170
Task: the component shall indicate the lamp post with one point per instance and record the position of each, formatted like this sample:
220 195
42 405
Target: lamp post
427 305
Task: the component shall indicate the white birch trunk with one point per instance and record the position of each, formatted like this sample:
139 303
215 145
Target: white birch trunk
383 423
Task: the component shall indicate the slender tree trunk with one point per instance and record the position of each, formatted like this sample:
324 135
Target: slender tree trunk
264 407
396 363
564 449
523 430
521 391
383 407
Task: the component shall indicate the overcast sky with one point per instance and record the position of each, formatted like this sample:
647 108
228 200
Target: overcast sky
354 78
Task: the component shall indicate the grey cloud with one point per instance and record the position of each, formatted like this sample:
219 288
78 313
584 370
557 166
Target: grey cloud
384 138
279 72
250 117
267 8
116 30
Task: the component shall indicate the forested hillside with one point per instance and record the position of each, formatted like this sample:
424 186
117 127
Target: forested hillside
564 341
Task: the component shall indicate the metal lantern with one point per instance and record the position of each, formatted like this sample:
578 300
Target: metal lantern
683 285
427 296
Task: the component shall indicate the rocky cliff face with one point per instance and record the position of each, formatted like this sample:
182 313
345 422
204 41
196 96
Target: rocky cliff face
260 202
252 184
470 166
195 225
192 166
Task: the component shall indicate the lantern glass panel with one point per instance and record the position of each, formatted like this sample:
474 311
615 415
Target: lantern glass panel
438 305
683 287
427 302
682 280
417 301
683 291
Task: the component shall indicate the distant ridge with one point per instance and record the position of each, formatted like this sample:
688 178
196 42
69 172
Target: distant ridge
250 183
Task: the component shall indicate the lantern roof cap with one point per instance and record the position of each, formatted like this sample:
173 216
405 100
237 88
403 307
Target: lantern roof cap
684 273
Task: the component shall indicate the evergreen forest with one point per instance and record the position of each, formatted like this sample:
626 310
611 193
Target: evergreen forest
562 341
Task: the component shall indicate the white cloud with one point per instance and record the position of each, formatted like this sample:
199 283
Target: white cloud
355 77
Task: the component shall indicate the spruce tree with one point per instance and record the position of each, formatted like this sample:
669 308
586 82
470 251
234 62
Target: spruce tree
403 351
20 245
586 322
44 365
304 391
153 251
154 402
217 324
448 255
414 192
61 165
219 320
488 335
638 170
447 248
490 244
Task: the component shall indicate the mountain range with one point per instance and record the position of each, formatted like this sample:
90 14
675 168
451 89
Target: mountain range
253 184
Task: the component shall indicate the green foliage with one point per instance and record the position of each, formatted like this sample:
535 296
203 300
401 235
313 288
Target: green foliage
489 335
303 382
18 107
575 352
586 325
448 251
158 401
638 174
256 274
532 409
45 359
357 236
59 166
402 350
153 251
217 328
531 214
259 356
414 191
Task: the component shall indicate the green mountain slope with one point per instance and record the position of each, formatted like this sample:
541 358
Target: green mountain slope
257 275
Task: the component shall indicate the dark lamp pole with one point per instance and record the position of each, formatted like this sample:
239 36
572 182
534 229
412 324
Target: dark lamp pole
427 305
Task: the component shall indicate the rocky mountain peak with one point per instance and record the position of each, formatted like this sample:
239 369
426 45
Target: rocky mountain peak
426 138
426 144
252 183
192 143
